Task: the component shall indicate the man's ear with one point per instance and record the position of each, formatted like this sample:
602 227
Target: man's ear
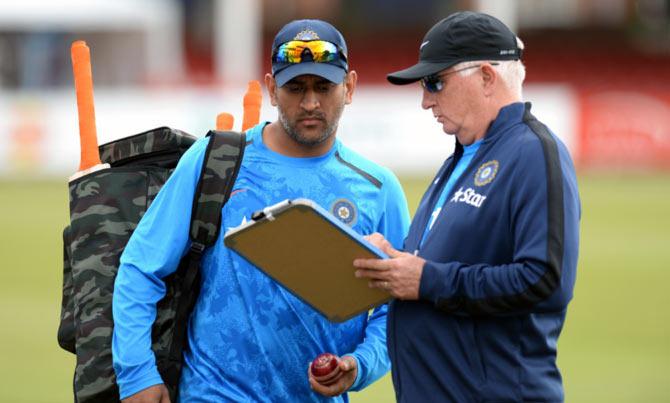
349 86
271 85
489 78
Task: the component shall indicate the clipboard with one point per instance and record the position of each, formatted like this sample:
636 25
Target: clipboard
310 253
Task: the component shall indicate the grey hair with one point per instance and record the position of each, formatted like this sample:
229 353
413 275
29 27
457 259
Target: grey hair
512 72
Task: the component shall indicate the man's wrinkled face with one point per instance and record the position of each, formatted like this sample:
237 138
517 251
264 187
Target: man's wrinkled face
460 103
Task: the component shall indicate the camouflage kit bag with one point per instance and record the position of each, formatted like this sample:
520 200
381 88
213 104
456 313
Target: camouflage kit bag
105 207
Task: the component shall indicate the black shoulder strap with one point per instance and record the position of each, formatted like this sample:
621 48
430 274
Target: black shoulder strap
220 167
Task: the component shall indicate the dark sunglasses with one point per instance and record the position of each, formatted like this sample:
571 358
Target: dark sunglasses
434 82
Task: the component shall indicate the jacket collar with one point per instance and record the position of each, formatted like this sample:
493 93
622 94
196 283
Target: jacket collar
507 116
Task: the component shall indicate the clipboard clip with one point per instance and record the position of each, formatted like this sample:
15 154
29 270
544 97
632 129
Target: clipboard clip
269 211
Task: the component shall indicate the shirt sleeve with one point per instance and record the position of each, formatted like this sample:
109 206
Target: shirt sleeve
153 252
372 354
545 231
394 222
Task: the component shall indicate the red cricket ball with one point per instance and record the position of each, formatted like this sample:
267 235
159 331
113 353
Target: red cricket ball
326 369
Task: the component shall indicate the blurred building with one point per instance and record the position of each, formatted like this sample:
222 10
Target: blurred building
602 66
148 41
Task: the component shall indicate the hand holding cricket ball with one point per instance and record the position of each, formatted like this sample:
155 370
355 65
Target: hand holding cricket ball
330 375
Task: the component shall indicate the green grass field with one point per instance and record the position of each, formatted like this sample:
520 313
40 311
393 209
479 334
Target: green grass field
615 345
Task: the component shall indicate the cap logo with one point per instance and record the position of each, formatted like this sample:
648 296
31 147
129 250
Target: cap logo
504 52
306 35
423 44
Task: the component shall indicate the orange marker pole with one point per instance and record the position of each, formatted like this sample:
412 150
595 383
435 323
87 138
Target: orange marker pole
252 105
224 122
83 84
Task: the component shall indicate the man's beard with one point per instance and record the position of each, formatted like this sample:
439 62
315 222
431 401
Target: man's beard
292 131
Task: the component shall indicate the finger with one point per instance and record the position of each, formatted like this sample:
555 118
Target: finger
326 390
371 274
374 237
390 250
317 387
338 387
347 363
372 264
383 285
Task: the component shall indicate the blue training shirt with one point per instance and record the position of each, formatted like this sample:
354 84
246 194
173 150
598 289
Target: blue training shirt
468 152
250 339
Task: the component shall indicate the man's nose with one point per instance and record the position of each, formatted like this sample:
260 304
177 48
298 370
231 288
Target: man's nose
310 101
427 99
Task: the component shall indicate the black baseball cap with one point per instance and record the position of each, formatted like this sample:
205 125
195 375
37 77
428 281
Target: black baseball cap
310 30
461 37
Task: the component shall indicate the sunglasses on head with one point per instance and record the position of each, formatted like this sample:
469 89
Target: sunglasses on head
434 83
320 52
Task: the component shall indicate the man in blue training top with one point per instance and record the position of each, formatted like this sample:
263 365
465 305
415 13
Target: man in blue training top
248 338
490 259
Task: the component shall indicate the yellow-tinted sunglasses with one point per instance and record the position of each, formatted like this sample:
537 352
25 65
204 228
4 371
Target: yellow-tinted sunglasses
293 51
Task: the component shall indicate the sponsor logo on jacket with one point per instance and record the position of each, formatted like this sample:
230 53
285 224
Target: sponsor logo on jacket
468 196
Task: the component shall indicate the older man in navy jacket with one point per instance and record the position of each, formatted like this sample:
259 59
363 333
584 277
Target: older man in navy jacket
490 261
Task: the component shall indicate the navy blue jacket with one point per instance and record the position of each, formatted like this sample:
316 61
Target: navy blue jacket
500 270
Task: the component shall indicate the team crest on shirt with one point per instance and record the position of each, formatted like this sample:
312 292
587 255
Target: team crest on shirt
306 35
486 173
345 211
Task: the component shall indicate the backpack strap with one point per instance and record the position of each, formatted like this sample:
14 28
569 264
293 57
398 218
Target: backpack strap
222 161
223 158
